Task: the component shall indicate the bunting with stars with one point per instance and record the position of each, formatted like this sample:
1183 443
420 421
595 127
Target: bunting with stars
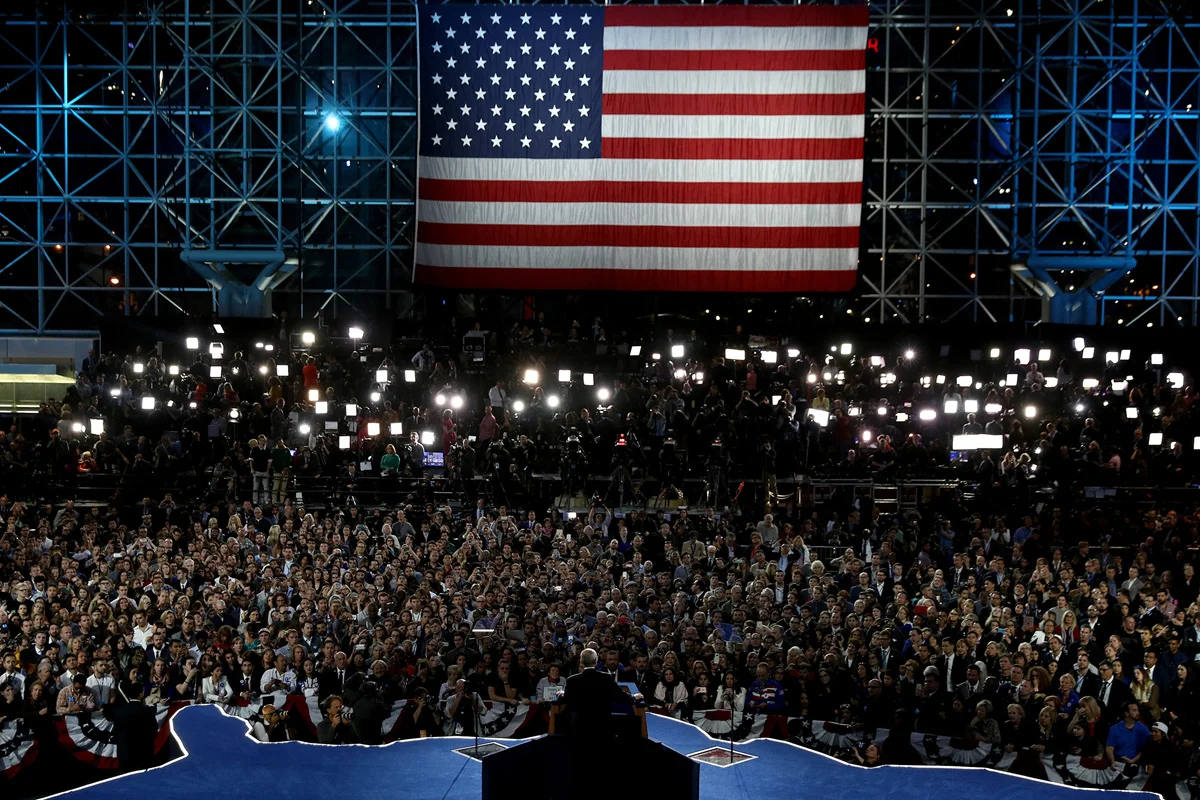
706 148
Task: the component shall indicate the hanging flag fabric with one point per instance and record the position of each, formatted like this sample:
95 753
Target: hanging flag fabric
706 148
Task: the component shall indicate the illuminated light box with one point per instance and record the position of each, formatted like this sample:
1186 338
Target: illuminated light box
977 441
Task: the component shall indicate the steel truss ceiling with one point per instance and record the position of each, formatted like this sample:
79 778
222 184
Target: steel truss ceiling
997 129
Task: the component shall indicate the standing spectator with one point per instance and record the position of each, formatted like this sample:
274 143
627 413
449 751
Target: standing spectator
280 468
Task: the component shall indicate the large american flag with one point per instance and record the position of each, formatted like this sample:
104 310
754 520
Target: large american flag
662 148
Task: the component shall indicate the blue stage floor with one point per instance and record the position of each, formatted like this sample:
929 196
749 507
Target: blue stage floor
222 757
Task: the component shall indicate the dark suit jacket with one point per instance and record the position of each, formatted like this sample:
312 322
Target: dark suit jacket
1118 698
1089 685
328 683
589 697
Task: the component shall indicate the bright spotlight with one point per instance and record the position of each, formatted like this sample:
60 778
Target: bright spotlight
552 401
321 407
173 369
314 395
147 403
846 348
769 356
305 430
282 370
1156 440
518 406
456 402
343 442
214 371
1131 412
970 406
950 407
676 351
333 123
1078 343
356 333
372 429
1044 354
410 376
603 394
589 379
1030 412
994 352
138 368
381 376
1156 359
308 337
375 397
427 438
909 354
928 414
440 399
192 343
564 376
531 376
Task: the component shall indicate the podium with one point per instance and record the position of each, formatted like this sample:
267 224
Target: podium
564 768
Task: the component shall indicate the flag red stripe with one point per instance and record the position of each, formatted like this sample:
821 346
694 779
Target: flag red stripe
641 280
637 236
747 149
638 192
735 105
774 60
740 16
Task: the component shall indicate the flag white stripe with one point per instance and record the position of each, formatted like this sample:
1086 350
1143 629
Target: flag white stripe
653 258
728 127
668 214
734 82
620 37
637 169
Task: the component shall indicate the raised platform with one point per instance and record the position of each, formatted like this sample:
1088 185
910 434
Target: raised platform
219 753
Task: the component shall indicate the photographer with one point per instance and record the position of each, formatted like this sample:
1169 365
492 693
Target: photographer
274 726
335 728
369 713
418 719
463 707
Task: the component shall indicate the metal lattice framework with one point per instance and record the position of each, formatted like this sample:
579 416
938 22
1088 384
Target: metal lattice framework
128 137
997 130
1007 129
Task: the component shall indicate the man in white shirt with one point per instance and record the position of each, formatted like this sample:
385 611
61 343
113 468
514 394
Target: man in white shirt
142 630
279 678
100 682
12 675
497 396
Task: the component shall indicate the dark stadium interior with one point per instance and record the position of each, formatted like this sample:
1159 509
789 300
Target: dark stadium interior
302 439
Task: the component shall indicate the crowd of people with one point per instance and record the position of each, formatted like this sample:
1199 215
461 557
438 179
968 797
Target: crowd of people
1015 612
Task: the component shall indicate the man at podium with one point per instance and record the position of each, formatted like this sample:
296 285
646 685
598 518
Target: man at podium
589 700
